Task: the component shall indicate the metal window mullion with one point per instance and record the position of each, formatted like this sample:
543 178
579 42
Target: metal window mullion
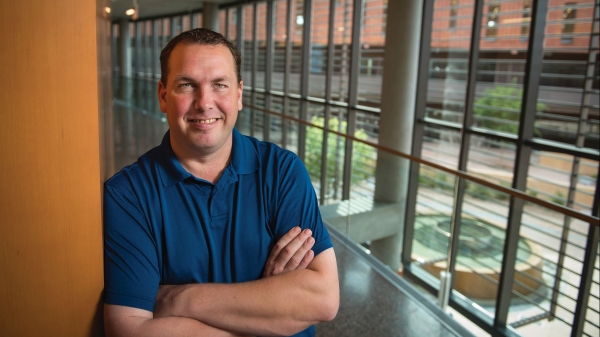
254 44
463 157
304 76
526 126
587 272
138 48
240 30
288 50
592 242
173 27
583 116
240 42
287 64
324 155
145 47
328 85
330 52
357 13
586 100
149 48
226 22
418 129
268 71
155 51
254 66
165 28
137 62
306 48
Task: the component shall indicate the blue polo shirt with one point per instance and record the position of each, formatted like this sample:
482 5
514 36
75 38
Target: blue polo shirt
162 225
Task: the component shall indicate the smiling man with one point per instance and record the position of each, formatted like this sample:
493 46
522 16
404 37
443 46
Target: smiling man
213 233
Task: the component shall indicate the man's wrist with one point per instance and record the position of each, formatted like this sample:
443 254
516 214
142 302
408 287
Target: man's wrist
170 302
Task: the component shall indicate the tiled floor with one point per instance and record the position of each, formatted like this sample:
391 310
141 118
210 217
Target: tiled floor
371 305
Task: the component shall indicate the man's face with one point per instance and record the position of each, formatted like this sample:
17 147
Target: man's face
201 98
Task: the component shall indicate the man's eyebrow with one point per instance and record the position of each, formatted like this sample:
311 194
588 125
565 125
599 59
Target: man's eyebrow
221 79
183 78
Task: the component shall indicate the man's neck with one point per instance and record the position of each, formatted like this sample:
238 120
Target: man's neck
206 166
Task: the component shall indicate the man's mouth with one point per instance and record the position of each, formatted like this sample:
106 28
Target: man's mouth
204 121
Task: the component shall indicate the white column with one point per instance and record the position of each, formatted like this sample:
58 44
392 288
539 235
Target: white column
403 34
210 16
124 48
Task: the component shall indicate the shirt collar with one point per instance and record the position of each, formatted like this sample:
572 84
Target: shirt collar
244 159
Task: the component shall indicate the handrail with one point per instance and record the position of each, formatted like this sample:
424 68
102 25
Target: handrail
508 190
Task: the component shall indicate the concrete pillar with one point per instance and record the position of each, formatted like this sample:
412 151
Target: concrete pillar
210 16
125 92
124 48
399 82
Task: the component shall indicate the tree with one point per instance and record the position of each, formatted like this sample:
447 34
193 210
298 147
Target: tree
363 159
499 108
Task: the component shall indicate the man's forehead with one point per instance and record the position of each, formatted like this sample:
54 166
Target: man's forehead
196 52
191 50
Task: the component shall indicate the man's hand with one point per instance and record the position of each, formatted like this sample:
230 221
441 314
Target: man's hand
291 252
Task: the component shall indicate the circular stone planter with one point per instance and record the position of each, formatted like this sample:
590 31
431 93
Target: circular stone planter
479 259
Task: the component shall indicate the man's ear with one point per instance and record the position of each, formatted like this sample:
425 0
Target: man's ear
240 90
162 97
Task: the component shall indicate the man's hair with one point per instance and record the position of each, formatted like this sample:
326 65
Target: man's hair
202 36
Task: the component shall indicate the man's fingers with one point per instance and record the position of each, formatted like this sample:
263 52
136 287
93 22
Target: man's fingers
284 241
272 263
295 261
289 252
308 257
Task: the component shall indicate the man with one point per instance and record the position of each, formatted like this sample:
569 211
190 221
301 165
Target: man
213 233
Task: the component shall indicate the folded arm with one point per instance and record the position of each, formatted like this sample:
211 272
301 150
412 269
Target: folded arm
283 304
127 321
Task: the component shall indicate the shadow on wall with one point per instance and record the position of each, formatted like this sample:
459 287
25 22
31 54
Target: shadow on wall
97 326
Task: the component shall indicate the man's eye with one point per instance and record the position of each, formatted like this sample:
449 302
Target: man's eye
185 85
220 86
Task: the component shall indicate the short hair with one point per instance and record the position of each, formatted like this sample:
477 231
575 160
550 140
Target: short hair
202 36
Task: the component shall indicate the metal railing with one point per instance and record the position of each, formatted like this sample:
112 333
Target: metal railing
541 287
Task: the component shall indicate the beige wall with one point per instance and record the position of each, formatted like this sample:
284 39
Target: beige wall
51 275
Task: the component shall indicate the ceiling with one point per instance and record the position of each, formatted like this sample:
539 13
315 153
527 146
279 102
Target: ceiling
153 8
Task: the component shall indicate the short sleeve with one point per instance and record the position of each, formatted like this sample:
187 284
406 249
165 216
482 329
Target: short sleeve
131 272
298 205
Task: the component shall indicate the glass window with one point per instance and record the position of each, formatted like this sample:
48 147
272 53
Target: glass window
371 53
568 26
526 18
492 21
453 14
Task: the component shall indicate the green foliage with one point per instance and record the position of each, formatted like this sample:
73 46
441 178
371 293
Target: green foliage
500 107
532 193
439 181
363 166
485 193
426 181
558 198
478 191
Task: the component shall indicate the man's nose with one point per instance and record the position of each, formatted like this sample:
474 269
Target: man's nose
203 100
